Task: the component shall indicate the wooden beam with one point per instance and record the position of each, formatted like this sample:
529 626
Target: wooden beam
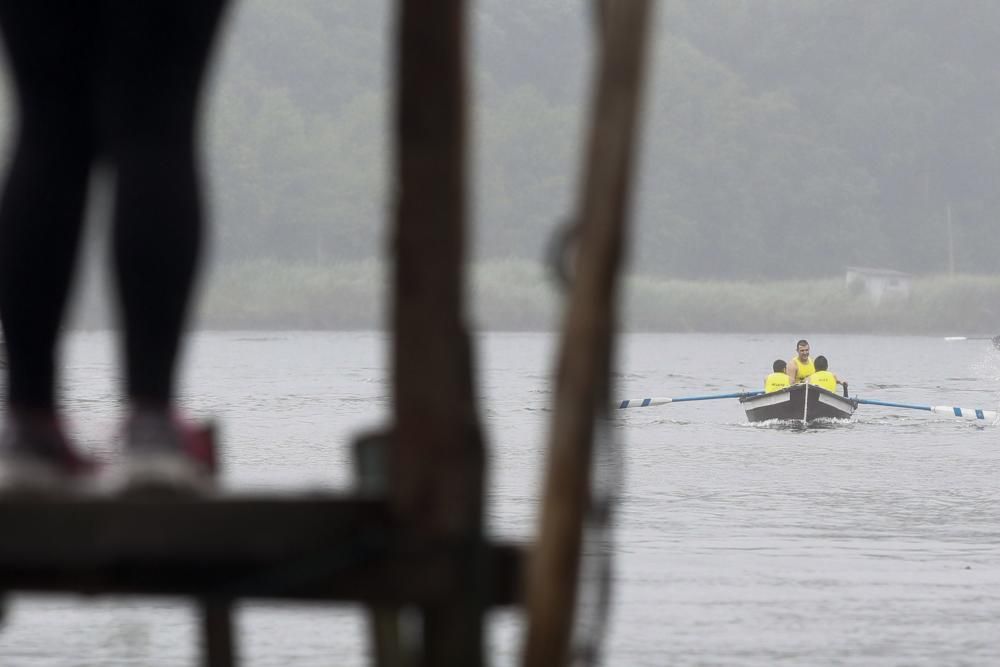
319 548
437 458
218 646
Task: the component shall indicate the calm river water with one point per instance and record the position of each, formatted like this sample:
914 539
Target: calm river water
875 542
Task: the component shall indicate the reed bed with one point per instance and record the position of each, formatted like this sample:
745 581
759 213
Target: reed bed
517 295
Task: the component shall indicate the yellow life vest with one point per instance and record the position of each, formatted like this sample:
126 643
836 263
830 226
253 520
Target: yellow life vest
776 381
824 379
802 371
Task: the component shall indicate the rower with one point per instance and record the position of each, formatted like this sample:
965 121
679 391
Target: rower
823 377
801 366
778 379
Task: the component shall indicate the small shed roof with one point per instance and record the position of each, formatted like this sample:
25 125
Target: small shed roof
878 272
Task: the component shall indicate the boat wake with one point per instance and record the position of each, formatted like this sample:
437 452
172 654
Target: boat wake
799 425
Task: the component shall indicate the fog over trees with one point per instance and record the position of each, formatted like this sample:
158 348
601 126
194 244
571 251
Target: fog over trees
782 138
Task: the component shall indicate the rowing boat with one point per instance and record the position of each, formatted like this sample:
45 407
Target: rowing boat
802 402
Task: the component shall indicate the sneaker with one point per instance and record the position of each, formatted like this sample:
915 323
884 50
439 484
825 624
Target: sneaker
37 457
164 454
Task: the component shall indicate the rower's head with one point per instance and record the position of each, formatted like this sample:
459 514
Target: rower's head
779 366
802 348
820 363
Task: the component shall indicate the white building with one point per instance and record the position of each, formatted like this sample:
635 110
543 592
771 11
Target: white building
878 283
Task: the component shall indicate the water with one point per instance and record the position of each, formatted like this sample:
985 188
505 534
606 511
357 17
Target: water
875 542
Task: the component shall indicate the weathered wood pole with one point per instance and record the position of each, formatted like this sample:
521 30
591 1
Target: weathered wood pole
218 643
436 466
585 353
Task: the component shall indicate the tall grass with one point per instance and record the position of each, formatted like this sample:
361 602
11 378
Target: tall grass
270 295
935 305
520 295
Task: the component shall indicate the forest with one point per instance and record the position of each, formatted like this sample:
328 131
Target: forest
781 139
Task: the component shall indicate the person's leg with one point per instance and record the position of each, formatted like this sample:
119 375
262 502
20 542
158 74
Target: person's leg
41 213
155 59
41 210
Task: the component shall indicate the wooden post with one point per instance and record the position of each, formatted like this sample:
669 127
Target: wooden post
436 463
217 633
584 362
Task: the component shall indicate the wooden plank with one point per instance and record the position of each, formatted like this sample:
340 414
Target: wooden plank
85 530
307 549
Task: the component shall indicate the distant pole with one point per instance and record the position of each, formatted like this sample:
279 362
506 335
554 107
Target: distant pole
951 246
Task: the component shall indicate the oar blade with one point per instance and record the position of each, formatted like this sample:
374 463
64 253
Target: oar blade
643 402
995 339
965 413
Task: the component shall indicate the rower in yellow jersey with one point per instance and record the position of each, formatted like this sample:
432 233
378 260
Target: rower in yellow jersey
801 366
823 377
778 379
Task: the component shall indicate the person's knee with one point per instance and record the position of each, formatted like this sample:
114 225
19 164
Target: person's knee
149 138
64 140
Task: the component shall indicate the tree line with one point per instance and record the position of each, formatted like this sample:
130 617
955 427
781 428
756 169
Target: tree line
781 138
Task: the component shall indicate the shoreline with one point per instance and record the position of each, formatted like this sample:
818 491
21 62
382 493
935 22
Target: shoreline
519 296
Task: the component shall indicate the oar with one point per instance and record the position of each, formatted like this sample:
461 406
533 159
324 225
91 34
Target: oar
967 413
995 339
646 402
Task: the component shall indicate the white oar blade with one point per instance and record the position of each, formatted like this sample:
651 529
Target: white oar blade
965 413
643 402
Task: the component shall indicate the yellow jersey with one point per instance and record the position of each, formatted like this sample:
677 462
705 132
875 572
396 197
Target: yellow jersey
776 381
802 371
824 379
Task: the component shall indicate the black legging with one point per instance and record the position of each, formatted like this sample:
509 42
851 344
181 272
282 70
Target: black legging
115 81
